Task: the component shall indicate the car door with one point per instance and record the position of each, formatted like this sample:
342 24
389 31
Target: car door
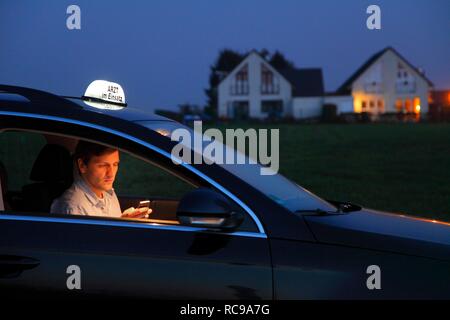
131 259
55 255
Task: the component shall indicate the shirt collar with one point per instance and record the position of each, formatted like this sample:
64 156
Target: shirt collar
90 194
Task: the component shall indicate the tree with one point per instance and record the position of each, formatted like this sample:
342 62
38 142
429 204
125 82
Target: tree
187 108
264 53
224 64
278 61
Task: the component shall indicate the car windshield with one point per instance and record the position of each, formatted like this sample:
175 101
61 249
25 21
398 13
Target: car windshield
280 189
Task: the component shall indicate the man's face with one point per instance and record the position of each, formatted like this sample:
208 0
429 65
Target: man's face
101 171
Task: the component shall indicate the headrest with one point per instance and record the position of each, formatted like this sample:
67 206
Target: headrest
53 164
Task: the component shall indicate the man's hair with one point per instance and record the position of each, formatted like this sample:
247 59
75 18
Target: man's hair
86 150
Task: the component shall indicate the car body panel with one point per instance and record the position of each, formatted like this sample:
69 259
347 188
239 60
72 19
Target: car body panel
382 231
136 261
322 271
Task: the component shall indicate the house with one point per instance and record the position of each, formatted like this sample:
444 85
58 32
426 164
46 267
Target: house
439 105
440 98
255 89
388 83
385 83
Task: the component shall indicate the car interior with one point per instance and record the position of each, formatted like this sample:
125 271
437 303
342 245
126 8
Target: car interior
52 173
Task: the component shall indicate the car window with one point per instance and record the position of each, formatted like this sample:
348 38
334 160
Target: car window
136 179
287 193
18 150
140 180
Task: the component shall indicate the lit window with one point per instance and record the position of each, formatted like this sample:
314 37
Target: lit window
399 105
380 105
417 105
408 106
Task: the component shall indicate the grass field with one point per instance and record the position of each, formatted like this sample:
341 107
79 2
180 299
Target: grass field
393 167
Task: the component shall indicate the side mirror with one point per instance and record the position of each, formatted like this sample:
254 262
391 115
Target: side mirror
205 208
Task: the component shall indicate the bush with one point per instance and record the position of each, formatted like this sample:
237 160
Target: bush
349 117
365 117
329 113
388 117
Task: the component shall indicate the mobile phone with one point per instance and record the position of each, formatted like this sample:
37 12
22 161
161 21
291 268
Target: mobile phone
143 204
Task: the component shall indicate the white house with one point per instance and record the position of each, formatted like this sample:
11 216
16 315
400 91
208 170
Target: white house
387 82
255 89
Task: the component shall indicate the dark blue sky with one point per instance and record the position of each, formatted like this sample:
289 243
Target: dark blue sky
160 51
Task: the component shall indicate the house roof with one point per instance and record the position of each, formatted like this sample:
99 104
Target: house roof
306 82
346 86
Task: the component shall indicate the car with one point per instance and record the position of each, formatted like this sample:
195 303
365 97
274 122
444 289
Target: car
216 231
188 119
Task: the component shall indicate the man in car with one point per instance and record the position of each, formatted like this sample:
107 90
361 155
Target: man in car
92 191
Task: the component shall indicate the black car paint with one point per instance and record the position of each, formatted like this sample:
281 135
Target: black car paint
375 230
120 261
328 271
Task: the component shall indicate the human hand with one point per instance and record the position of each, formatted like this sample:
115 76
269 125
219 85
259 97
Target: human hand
132 212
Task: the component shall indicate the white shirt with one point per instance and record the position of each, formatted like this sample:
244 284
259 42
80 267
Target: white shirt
79 199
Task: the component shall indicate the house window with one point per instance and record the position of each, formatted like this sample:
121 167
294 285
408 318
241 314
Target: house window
399 105
430 98
408 105
239 85
380 106
363 106
240 110
417 105
405 82
372 104
269 82
273 109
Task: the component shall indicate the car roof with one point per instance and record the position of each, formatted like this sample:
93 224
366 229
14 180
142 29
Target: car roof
127 113
47 103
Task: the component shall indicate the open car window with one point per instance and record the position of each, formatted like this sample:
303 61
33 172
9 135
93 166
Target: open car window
33 184
287 193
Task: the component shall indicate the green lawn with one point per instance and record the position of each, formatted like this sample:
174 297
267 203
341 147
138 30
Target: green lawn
393 167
